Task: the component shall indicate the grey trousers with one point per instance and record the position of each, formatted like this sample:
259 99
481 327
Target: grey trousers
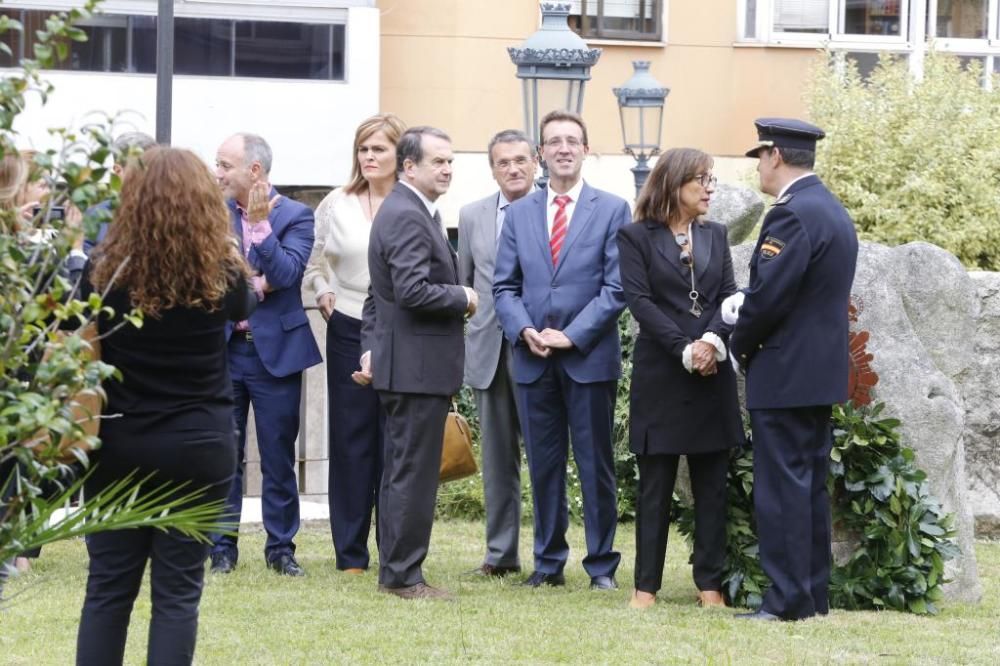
501 455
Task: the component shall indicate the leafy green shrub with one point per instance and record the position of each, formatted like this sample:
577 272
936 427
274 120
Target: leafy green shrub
897 533
913 160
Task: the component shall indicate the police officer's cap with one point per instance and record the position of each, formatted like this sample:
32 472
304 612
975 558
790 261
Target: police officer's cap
785 133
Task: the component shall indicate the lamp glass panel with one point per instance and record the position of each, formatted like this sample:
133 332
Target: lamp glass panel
554 94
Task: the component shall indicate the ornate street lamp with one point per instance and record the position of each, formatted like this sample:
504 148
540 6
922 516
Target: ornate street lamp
554 66
640 102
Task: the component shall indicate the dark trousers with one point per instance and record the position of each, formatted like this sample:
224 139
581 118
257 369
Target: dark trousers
276 414
791 458
177 563
501 453
356 442
414 430
555 410
657 475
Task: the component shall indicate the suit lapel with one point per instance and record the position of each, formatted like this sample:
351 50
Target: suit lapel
578 223
702 238
437 231
541 226
664 242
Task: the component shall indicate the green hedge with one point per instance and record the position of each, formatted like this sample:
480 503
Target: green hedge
913 160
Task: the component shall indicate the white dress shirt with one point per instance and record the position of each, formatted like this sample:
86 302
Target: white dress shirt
551 207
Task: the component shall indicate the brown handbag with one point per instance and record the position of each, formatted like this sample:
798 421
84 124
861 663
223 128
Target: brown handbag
85 407
457 459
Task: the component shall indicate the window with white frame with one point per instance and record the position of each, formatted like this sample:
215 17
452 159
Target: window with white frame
635 20
968 28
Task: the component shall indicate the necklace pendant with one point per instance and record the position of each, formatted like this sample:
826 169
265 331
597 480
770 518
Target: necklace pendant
696 310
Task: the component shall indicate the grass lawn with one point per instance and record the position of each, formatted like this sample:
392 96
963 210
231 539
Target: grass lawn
255 617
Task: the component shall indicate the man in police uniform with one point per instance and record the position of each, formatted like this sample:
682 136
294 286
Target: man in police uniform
791 339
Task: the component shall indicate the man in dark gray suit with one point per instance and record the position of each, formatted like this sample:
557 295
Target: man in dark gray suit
488 362
412 336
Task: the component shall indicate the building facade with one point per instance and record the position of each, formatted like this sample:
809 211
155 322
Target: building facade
297 73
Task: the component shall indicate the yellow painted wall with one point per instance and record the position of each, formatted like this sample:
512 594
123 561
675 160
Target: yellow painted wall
444 63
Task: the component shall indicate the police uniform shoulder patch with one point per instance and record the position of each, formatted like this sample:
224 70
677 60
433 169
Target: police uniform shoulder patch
785 198
771 247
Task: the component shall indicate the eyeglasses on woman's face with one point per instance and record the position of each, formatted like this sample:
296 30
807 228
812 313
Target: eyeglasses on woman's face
706 180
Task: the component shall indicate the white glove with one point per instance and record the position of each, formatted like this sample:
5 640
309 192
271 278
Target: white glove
731 307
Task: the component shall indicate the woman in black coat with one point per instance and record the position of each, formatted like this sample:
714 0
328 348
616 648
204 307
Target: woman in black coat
676 270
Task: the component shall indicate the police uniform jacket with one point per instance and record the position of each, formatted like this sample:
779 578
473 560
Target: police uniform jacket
792 332
673 411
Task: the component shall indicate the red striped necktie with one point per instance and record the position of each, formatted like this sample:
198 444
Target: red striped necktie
558 234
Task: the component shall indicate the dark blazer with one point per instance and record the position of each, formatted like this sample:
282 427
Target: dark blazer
673 411
413 317
792 333
582 296
282 336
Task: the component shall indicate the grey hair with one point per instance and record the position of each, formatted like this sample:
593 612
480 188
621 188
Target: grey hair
256 149
507 136
410 146
131 142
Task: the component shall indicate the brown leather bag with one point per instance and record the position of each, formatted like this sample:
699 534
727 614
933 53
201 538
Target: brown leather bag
85 406
457 459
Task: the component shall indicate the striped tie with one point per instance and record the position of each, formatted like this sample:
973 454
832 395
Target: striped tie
558 227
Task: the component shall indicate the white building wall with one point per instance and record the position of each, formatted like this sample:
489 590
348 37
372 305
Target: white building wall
309 124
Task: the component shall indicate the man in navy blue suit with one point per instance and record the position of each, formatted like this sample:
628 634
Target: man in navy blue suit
558 296
791 338
268 352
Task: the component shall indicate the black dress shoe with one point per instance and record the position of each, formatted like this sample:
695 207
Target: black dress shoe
603 583
222 563
494 571
760 615
539 578
286 565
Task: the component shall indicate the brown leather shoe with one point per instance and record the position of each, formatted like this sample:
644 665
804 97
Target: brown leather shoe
641 603
711 599
354 571
421 591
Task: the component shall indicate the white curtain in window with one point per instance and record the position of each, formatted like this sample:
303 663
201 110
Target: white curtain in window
801 15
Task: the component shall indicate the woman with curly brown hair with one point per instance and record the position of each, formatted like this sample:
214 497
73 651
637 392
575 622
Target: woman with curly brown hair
171 254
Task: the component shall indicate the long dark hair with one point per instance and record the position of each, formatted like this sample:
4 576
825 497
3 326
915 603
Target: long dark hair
659 199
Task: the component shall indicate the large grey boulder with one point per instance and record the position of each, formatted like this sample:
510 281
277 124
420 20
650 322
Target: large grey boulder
739 208
919 306
981 390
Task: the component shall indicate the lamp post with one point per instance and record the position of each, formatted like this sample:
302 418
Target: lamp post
640 103
554 66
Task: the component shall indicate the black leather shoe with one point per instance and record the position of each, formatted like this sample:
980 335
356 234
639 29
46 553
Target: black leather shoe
222 563
760 615
286 565
603 583
494 571
539 578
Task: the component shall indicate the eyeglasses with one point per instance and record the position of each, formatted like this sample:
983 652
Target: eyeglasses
557 141
685 257
517 161
706 180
